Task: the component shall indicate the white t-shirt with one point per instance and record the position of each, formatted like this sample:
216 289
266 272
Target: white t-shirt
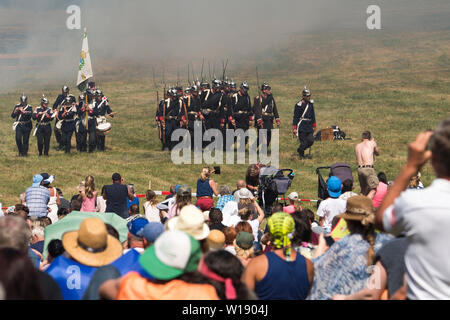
151 212
424 217
330 208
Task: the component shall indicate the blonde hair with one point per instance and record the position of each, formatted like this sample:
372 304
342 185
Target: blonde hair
414 181
246 254
89 186
206 172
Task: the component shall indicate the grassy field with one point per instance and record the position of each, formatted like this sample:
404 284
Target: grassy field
393 84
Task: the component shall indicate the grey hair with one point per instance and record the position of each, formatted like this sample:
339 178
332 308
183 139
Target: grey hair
224 190
14 233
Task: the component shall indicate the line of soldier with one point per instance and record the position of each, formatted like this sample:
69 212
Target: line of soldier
220 106
70 117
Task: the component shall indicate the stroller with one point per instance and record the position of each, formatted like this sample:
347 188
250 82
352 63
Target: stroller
272 183
340 169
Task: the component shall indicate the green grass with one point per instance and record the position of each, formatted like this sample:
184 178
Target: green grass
394 85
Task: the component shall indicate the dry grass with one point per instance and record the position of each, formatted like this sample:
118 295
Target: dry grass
391 84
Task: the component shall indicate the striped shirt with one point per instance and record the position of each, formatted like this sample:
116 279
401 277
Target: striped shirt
37 199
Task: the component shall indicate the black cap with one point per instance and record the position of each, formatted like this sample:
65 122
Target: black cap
116 177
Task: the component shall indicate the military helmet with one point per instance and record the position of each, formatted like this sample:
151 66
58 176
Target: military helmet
23 98
172 92
265 86
245 86
306 92
194 88
98 92
232 84
91 84
204 84
188 90
44 100
216 83
65 89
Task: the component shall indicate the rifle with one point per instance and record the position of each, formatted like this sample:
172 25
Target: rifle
203 62
224 69
154 81
260 98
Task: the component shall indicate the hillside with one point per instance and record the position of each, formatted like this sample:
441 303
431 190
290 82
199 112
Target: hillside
393 84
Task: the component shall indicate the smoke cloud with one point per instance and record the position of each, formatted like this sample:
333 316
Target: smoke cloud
37 49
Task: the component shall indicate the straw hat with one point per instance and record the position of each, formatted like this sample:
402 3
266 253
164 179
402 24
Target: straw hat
216 239
359 208
91 244
190 220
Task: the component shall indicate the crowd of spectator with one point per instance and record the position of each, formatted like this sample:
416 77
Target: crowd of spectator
387 242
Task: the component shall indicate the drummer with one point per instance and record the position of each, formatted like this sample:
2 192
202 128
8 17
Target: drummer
102 108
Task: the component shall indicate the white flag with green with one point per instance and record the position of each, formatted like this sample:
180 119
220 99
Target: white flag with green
85 67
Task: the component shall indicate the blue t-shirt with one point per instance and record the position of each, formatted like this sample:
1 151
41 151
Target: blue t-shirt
134 201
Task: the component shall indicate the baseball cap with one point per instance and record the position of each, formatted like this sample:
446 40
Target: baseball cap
293 195
136 227
176 188
116 177
173 254
244 240
334 186
37 178
153 230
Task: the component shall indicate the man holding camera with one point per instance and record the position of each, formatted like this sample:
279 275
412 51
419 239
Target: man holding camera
365 152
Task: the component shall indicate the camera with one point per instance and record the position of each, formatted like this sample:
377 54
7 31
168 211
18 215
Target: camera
216 170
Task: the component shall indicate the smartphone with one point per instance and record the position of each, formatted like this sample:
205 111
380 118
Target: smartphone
217 170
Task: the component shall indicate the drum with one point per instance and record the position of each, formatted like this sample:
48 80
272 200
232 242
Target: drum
58 125
104 127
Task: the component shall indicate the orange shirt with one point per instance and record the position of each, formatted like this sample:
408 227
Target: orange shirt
135 287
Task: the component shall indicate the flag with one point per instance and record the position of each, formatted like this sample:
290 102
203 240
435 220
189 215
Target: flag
85 67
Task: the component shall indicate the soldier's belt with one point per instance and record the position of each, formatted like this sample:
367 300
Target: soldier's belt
267 114
91 118
242 112
69 120
192 112
23 122
305 119
170 118
213 111
44 123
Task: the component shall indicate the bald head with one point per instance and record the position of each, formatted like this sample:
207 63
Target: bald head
241 184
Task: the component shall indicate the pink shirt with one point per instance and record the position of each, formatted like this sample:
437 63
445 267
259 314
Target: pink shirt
289 209
381 192
88 204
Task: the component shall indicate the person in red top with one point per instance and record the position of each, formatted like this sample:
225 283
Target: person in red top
171 264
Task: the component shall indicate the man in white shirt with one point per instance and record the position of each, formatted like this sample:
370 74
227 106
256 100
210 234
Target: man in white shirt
332 206
423 215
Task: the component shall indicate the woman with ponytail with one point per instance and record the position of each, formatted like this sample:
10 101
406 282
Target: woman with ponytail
281 274
347 265
88 195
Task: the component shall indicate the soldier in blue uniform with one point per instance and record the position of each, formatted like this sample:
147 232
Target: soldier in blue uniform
241 109
22 113
68 113
304 122
101 109
56 106
169 115
43 117
266 111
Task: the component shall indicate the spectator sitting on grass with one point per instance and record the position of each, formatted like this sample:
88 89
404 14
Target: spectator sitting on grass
347 190
225 196
133 212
